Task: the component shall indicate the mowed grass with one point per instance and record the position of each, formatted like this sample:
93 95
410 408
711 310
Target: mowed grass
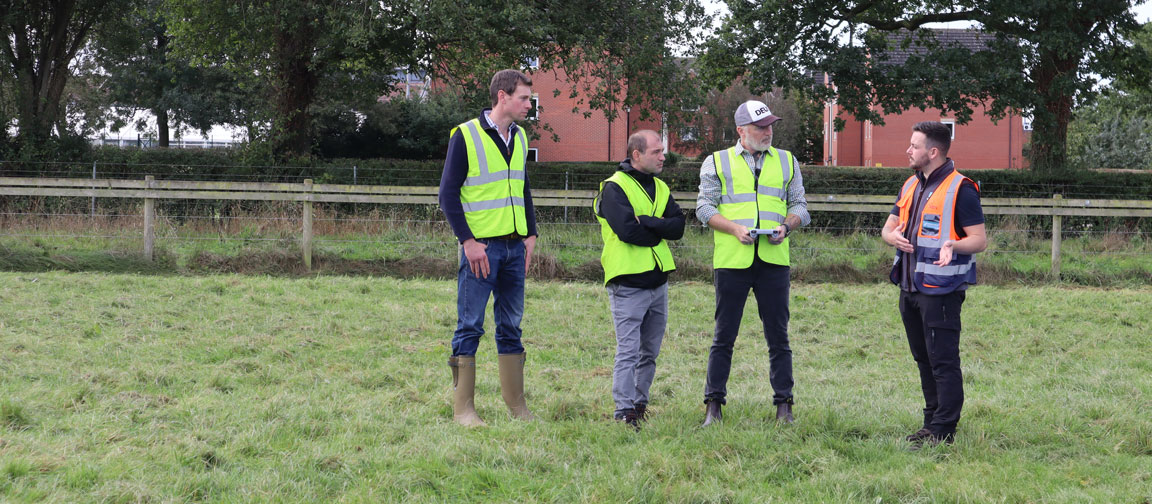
132 388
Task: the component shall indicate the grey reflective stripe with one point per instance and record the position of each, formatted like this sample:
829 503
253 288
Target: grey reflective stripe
486 178
523 146
738 198
477 206
730 183
745 222
950 270
770 216
726 171
907 186
785 165
478 146
500 176
770 191
949 217
922 241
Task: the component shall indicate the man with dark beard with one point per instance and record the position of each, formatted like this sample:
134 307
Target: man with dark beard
937 225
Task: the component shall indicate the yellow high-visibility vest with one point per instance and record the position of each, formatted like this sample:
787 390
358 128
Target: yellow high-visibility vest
753 203
620 258
493 193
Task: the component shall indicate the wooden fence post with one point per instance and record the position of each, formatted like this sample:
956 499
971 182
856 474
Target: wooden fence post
149 221
1057 222
306 240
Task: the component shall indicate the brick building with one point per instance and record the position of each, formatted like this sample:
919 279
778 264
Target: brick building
981 143
592 138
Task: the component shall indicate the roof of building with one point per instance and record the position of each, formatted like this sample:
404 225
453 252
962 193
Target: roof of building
898 51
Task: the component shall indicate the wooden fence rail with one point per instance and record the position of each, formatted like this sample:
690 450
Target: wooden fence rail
308 193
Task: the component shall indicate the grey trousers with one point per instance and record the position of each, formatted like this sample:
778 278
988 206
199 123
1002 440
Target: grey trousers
640 316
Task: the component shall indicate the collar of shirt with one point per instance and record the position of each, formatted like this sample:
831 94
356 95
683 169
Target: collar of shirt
511 128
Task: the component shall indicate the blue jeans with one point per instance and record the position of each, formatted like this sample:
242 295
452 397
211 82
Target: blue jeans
505 283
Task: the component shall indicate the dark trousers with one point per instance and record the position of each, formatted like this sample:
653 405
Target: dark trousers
770 283
933 327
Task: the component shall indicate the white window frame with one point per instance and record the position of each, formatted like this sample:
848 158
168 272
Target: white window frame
533 155
1026 122
951 123
534 113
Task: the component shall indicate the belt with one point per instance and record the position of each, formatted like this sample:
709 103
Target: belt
510 236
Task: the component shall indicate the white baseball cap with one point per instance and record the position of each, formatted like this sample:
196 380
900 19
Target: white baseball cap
754 112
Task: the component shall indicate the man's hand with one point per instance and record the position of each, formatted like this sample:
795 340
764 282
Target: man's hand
893 234
741 233
477 258
780 235
529 247
945 253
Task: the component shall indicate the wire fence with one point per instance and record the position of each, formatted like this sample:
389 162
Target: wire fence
568 231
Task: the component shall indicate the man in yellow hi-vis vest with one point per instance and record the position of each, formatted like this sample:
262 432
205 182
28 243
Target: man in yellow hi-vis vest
484 195
637 216
752 196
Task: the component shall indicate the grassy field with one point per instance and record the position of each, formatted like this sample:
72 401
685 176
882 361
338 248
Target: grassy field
219 388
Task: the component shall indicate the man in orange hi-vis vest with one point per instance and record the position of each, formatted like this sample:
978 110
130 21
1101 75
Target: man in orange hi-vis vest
936 226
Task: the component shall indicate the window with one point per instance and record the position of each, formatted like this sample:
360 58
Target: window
532 152
689 133
951 124
535 112
1027 122
532 62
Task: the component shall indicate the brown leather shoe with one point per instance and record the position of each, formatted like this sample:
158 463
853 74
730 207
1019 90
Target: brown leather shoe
919 435
712 413
784 413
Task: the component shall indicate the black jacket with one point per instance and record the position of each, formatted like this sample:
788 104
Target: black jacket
645 232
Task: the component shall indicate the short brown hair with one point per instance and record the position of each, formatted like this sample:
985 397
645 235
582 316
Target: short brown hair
506 81
938 135
639 141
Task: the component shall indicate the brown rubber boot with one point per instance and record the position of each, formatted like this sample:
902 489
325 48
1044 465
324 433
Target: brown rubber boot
463 391
512 385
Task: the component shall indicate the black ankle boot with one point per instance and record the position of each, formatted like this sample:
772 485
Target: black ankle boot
712 412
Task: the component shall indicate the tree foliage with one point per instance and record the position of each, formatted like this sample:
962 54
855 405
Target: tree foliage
1039 57
138 70
39 40
714 125
613 54
1115 131
299 54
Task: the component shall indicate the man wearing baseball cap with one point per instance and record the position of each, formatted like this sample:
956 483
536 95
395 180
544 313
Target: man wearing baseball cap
751 186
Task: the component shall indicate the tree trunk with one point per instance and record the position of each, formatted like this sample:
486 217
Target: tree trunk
295 90
1050 122
162 127
40 65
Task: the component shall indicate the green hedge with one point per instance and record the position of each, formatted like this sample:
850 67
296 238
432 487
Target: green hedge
230 164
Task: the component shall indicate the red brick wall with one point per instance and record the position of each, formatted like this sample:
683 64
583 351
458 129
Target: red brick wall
978 144
581 139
